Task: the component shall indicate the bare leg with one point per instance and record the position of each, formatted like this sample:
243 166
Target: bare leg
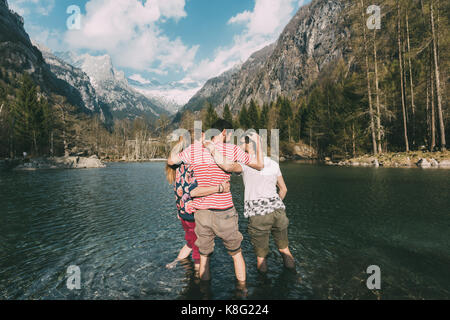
261 264
197 271
204 268
184 253
239 267
241 289
288 259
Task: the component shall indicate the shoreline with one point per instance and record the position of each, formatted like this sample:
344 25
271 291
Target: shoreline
51 163
416 159
134 161
71 162
412 159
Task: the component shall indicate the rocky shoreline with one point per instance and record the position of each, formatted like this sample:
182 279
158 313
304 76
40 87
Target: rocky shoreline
52 163
134 160
417 159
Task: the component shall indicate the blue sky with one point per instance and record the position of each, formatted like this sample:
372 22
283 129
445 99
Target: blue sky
188 41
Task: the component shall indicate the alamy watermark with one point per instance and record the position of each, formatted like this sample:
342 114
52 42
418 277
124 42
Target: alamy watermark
374 21
232 136
374 281
74 277
74 20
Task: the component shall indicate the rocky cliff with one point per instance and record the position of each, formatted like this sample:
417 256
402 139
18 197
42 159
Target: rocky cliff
112 86
78 80
312 40
19 55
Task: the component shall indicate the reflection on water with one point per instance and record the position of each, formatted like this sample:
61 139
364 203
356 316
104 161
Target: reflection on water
119 226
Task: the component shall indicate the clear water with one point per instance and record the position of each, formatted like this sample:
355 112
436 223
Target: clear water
119 226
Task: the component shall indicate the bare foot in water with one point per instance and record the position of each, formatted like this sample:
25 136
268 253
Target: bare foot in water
183 254
288 259
173 264
261 264
197 271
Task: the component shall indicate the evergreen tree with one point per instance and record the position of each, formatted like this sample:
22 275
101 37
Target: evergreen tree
227 116
27 116
298 121
253 116
263 119
243 118
285 120
210 117
49 126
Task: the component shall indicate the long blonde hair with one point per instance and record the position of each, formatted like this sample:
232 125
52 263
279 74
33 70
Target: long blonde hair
171 171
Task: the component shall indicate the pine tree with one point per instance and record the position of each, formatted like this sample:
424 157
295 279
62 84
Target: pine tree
298 119
243 118
263 120
210 117
285 120
27 116
253 116
227 116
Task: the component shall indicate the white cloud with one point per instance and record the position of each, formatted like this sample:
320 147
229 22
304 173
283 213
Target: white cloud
241 17
49 37
27 7
128 31
180 96
262 26
267 16
137 77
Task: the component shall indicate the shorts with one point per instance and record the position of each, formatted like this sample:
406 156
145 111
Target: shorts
223 224
260 228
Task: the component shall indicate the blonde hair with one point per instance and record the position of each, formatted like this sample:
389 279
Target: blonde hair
171 171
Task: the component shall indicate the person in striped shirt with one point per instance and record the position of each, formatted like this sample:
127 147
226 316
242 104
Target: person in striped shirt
215 214
263 203
185 189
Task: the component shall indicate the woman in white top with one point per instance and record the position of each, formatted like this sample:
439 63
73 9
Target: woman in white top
263 204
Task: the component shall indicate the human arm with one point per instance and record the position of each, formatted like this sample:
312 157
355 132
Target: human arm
256 162
222 161
282 187
224 187
240 156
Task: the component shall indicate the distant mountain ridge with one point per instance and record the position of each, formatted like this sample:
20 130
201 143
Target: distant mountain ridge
171 96
112 87
311 40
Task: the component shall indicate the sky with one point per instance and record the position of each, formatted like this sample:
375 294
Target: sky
185 41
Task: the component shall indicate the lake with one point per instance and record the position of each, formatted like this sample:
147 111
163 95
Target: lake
119 226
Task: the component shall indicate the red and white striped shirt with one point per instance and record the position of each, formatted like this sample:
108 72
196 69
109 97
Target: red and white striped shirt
209 174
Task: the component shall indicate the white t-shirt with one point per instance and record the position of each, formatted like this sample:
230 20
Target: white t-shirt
261 184
261 196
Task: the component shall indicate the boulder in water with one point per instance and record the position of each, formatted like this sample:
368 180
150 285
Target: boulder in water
423 163
434 163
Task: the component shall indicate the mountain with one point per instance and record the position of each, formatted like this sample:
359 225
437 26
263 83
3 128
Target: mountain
112 87
19 55
77 79
309 43
171 96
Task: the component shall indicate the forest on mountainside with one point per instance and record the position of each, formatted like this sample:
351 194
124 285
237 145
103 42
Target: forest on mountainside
49 126
389 95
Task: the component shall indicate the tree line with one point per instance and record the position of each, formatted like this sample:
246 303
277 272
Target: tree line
34 123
